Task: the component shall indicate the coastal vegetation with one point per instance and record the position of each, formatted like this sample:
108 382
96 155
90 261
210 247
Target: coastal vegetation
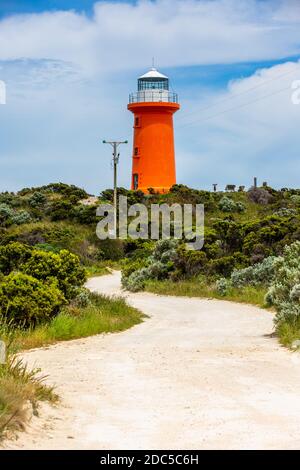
48 248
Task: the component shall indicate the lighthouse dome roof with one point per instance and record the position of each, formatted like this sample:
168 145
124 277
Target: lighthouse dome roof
153 73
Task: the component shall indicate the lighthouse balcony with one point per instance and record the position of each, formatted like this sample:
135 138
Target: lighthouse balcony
150 96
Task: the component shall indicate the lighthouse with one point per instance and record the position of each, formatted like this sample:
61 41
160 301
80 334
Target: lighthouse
153 158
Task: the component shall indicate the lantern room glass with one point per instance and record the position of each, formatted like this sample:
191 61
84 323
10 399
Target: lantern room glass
153 84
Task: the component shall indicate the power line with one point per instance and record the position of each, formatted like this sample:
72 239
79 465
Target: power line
234 108
229 98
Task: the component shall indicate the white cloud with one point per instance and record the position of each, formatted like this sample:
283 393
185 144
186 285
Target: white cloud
251 129
68 78
123 36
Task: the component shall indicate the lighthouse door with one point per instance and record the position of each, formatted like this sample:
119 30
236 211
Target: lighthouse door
135 181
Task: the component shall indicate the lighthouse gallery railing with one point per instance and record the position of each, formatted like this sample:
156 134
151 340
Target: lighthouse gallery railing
158 96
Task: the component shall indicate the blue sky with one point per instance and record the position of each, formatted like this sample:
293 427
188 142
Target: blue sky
10 7
69 69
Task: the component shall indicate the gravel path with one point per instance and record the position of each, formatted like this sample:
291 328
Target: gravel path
195 374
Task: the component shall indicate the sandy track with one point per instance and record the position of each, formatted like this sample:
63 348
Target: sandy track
196 374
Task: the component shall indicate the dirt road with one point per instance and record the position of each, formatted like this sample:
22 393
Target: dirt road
196 374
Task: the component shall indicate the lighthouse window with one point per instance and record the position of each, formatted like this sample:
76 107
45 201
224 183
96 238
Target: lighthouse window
144 84
136 150
135 181
137 122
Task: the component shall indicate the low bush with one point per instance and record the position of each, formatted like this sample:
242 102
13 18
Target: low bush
37 199
284 292
35 283
225 264
228 205
63 266
60 210
67 190
13 255
157 266
5 213
84 214
258 274
26 301
21 217
222 286
112 249
188 263
82 298
296 199
136 281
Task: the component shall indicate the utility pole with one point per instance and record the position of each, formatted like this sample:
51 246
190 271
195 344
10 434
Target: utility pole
116 155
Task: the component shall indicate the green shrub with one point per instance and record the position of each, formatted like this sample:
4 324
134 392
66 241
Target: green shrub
165 250
59 235
26 301
129 266
12 256
69 191
228 205
82 298
285 212
5 213
60 210
112 249
258 274
240 207
296 199
84 214
226 264
285 288
63 266
136 281
222 286
10 199
46 247
37 199
139 248
157 266
188 263
21 217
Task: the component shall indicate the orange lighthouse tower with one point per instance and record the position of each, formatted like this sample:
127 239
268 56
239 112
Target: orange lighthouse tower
153 159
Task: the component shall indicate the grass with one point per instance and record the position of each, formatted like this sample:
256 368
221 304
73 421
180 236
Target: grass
288 333
19 386
196 288
20 390
102 267
103 315
96 270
